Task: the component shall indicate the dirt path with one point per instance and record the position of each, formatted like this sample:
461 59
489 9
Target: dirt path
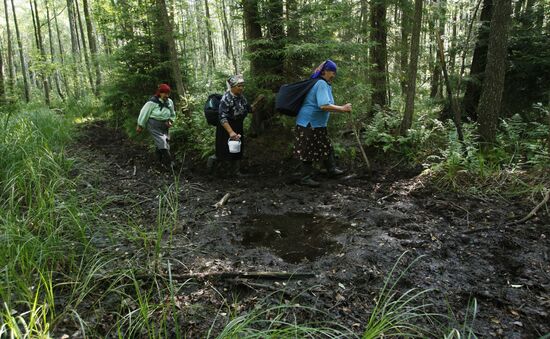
349 233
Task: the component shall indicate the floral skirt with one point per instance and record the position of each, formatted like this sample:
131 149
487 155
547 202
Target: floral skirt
311 144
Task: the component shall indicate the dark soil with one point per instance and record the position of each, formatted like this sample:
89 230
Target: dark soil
349 233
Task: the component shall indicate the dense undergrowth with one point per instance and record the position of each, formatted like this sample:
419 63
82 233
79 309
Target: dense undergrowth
53 276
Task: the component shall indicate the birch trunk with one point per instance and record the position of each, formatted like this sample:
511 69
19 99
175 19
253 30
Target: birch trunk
26 86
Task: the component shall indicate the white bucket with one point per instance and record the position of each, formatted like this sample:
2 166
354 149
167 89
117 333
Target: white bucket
234 146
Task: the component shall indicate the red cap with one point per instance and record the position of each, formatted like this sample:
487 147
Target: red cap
163 88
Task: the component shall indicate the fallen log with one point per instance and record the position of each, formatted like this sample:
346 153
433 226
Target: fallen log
534 211
232 275
222 201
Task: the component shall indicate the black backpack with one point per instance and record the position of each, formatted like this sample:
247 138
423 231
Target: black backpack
290 97
211 108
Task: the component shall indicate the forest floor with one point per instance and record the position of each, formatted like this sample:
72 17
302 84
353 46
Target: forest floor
348 233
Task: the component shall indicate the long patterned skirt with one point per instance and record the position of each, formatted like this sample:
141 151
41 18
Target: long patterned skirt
311 144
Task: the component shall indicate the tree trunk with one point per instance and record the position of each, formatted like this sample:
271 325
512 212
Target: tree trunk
378 52
452 101
52 52
84 47
61 55
2 85
228 38
36 42
435 78
404 49
165 35
11 74
413 68
274 60
211 56
201 36
293 27
26 87
517 8
39 39
253 35
479 60
493 85
72 28
465 49
93 46
452 49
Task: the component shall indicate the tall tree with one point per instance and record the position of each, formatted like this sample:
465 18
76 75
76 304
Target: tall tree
378 52
228 38
9 52
167 45
45 82
26 87
211 57
84 48
61 54
479 59
493 85
253 31
93 45
2 83
406 123
52 52
274 49
452 101
404 45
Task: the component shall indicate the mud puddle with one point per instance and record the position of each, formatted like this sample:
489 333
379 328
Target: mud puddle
294 237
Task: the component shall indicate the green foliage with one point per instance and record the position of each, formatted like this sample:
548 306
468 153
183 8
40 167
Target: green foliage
528 74
520 146
426 137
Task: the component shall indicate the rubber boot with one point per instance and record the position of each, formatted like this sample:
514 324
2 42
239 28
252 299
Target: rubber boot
166 159
330 165
158 154
307 172
211 163
236 169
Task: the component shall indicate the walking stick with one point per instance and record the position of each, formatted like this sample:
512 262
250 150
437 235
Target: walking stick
358 140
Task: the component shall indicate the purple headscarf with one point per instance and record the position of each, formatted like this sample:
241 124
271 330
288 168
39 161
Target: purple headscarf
327 65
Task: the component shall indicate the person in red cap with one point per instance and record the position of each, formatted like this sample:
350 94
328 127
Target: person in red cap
158 115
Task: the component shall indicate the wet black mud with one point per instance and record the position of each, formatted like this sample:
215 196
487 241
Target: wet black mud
294 237
349 233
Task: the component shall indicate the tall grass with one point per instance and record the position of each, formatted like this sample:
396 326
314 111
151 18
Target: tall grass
46 248
280 321
33 224
395 314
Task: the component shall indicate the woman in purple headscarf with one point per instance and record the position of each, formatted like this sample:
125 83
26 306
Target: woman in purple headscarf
311 139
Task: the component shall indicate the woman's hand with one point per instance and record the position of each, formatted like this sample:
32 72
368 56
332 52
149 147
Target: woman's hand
169 123
234 136
139 129
346 107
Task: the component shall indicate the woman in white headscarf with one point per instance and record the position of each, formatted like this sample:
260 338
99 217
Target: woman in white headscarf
233 110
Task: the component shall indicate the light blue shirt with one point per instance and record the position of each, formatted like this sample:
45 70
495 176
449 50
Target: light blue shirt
311 112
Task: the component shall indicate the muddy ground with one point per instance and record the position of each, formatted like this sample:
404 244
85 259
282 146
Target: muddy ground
348 233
